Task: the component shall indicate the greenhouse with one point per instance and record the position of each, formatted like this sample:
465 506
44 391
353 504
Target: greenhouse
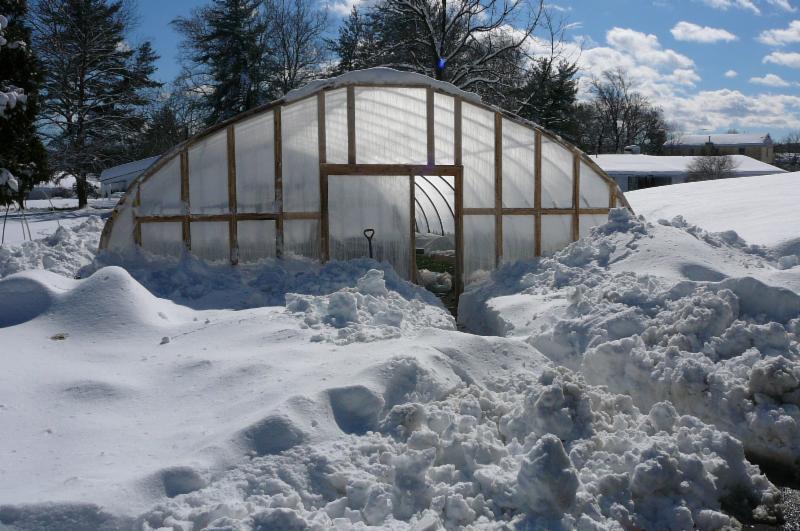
366 164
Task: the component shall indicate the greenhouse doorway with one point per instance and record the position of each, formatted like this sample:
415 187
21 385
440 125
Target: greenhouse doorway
386 209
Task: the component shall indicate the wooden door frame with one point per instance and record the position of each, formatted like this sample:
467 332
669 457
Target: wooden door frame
399 170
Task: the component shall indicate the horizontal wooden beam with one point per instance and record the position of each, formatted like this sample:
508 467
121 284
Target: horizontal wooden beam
388 169
533 211
246 216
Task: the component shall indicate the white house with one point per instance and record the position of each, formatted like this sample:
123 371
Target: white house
756 145
117 178
633 172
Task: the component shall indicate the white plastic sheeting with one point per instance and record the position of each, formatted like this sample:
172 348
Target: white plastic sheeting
435 197
336 126
479 253
556 232
301 238
160 194
300 156
255 163
163 238
390 125
556 175
381 203
210 240
595 192
478 156
208 175
444 128
519 238
256 240
519 159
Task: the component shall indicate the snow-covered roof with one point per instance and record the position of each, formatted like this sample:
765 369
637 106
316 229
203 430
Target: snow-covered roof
129 169
674 166
379 76
727 139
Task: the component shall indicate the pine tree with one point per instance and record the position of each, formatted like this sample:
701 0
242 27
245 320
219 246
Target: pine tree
549 95
21 151
94 90
355 44
227 41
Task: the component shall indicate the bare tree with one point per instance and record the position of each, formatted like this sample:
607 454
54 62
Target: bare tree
710 167
787 152
296 29
624 115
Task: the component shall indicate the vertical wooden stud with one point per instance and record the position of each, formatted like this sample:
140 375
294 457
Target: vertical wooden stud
321 134
233 227
576 196
429 113
457 132
186 229
351 124
498 189
537 191
137 233
278 183
459 196
324 222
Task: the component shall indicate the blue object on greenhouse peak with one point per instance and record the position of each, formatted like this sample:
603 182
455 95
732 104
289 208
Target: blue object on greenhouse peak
442 62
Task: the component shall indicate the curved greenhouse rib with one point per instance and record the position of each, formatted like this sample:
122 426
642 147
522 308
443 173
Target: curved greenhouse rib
446 202
435 210
422 211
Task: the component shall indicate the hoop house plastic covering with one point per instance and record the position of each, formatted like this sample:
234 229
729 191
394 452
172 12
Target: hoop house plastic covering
475 175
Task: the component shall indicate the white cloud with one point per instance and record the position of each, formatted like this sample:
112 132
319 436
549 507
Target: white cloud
721 109
730 74
770 80
781 37
790 59
645 48
687 31
727 4
783 4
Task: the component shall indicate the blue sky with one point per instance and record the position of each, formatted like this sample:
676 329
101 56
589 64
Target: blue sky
677 51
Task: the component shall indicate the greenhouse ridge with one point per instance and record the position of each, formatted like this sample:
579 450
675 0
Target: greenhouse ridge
396 152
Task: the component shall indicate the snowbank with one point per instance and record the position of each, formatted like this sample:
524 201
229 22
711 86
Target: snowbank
762 210
664 313
69 248
124 409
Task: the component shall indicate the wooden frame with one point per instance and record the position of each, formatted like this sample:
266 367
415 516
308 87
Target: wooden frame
233 216
393 170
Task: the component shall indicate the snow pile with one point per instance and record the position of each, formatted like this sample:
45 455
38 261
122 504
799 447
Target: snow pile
763 210
434 281
531 450
65 251
366 312
640 309
202 285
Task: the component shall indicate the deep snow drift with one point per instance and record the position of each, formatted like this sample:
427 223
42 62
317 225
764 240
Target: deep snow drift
762 210
665 312
296 417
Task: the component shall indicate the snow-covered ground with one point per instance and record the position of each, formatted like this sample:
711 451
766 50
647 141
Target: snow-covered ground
762 210
623 382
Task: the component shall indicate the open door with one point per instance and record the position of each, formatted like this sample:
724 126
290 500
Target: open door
385 199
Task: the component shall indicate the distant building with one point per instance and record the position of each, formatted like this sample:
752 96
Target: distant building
117 178
634 172
757 146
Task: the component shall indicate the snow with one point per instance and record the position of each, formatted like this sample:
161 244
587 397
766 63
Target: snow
625 380
664 312
378 76
674 166
762 210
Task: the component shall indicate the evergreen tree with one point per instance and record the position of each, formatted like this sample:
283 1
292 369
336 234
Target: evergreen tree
21 151
549 95
95 83
355 44
228 42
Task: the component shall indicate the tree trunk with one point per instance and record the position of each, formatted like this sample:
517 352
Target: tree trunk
82 189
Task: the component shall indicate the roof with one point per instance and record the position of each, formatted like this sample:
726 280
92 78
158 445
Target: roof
669 166
129 169
727 139
379 76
